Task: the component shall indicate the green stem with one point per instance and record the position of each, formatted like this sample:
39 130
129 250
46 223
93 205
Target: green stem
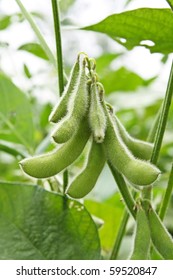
152 133
55 9
65 180
120 235
147 192
163 119
56 17
124 190
167 196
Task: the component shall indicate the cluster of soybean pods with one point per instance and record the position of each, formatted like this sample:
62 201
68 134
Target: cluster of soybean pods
81 116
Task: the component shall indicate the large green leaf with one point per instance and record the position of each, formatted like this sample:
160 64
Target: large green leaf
37 224
15 113
35 49
137 26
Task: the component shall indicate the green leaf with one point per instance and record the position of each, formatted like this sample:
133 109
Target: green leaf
137 26
27 71
170 2
5 22
39 225
15 113
123 80
35 49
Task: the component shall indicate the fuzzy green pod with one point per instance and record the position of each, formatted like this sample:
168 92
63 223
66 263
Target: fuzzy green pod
160 237
97 118
136 171
142 237
77 108
60 110
86 180
140 149
49 164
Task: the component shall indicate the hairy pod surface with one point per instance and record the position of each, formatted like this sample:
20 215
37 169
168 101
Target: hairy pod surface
77 108
49 164
140 149
65 129
142 237
138 172
161 239
86 180
60 110
97 118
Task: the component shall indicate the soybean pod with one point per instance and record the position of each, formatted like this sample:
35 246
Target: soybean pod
86 180
49 164
138 172
139 148
142 237
77 108
60 110
160 237
97 118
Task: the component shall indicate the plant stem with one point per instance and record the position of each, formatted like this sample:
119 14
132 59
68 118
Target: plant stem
124 190
167 196
163 118
120 235
56 17
147 192
55 9
152 133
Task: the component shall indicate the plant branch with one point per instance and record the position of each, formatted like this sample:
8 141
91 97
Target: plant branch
56 17
124 190
55 9
167 196
120 235
163 119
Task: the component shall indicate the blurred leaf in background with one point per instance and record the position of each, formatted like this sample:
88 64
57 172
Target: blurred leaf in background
16 123
35 49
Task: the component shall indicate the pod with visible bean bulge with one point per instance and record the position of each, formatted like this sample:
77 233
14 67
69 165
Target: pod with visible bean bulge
86 180
139 148
47 165
97 118
160 237
136 171
60 110
142 237
77 108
